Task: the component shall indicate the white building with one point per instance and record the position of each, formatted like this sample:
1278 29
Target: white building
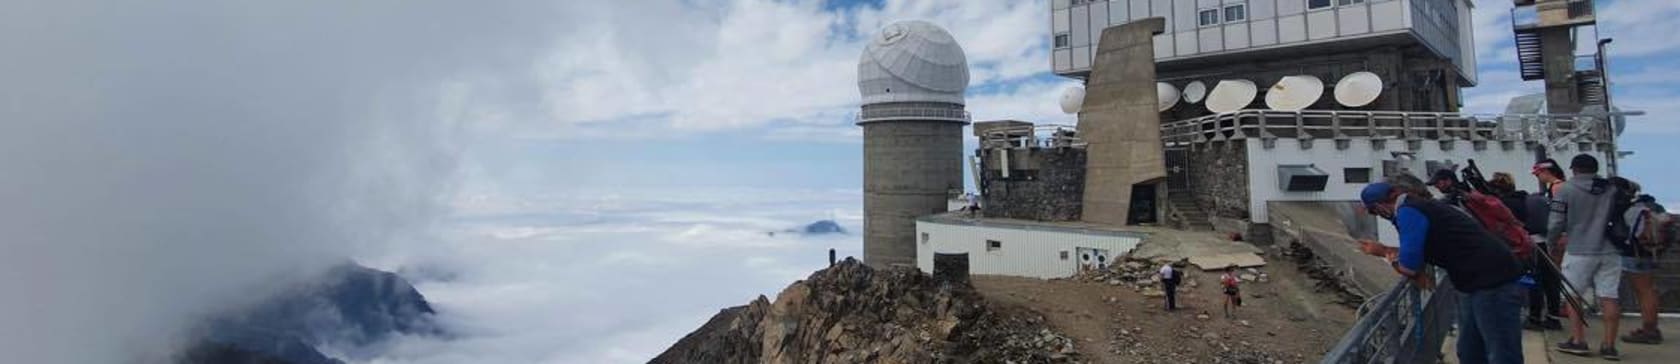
1020 248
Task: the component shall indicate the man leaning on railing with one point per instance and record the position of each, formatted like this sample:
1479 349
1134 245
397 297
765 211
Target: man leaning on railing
1478 264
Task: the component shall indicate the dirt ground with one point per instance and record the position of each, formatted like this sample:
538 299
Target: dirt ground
1283 320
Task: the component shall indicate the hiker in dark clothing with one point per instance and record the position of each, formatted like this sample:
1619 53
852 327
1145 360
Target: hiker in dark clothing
1532 210
1170 278
1478 264
1545 305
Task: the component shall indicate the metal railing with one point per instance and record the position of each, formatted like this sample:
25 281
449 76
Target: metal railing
891 113
1395 125
1404 325
1033 136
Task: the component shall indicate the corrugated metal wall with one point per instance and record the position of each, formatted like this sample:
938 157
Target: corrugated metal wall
1036 252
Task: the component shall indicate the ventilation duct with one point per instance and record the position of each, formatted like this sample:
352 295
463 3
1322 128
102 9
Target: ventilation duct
1301 177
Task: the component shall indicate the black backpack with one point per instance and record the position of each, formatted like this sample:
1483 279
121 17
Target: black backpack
1622 198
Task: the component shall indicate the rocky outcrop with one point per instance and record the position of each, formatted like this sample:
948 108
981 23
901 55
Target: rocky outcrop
851 313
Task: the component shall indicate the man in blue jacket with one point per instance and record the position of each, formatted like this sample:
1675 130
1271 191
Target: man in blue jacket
1477 263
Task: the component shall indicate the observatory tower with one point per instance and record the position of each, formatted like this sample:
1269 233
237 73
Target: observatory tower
912 76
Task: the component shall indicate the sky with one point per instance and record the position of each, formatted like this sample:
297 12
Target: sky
569 181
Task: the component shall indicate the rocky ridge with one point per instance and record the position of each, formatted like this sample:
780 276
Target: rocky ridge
852 313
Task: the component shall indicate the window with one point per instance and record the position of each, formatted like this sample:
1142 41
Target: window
1318 4
1062 40
1349 2
1064 255
993 245
1356 175
924 238
1207 17
1236 13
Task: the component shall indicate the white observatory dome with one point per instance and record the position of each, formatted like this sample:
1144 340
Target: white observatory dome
912 61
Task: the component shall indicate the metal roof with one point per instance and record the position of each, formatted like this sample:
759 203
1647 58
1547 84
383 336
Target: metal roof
912 61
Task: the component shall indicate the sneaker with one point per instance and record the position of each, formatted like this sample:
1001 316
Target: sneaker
1610 353
1641 336
1574 348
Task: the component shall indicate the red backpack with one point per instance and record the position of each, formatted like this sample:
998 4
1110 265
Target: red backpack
1498 220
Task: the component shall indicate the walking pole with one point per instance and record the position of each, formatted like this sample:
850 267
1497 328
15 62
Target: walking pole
1570 296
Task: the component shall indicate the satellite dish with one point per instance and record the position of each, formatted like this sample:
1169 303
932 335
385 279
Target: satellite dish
1195 92
1293 93
1358 89
1230 95
1620 121
1166 96
1073 98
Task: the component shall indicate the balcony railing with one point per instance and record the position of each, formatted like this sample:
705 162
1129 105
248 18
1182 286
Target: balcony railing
1033 136
912 112
1405 325
1269 125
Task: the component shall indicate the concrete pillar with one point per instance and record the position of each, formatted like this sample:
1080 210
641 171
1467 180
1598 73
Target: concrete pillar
1559 52
1120 122
909 169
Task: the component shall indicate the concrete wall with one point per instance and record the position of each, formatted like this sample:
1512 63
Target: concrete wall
1037 252
1120 122
1361 153
1045 184
909 170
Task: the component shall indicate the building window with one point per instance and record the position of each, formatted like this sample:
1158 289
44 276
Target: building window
1356 175
1064 255
1349 2
924 238
1236 13
1318 4
993 245
1062 40
1207 17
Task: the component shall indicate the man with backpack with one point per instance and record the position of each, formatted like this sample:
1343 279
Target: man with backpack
1639 260
1581 211
1478 264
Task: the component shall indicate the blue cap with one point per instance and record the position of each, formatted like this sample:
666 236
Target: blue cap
1374 193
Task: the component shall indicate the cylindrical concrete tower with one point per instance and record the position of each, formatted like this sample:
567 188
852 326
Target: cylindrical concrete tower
912 76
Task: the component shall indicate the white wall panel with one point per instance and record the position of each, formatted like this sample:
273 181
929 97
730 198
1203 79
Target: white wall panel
1185 43
1081 57
1118 12
1236 36
1163 8
1291 7
1081 26
1292 29
1263 9
1024 252
1063 59
1210 39
1387 16
1353 20
1263 180
1164 46
1059 21
1263 32
1140 9
1321 24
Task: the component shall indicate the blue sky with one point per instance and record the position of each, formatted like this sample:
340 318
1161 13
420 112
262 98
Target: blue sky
801 135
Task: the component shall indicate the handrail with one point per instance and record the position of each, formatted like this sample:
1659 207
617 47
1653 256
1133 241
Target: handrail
1345 124
1404 325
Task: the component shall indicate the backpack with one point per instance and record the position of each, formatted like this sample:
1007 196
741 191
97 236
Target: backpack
1618 232
1498 220
1664 228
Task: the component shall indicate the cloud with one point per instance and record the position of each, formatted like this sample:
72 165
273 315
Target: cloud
647 267
167 160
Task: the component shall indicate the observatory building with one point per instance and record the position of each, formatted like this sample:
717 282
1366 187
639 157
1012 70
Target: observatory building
1197 119
912 76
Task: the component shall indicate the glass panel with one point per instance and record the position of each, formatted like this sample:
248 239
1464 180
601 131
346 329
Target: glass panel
1236 13
1317 4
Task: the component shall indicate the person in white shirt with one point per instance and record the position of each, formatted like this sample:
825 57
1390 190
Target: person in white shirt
1169 282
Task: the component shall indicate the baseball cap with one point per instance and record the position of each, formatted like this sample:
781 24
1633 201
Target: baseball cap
1374 193
1443 175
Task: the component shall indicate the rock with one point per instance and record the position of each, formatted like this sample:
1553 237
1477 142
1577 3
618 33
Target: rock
1202 316
1152 293
1248 277
1210 336
1244 323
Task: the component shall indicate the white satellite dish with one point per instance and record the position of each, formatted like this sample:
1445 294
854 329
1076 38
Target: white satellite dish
1358 89
1073 98
1195 92
1293 93
1166 96
1230 96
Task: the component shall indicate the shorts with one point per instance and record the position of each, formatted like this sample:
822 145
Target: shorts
1639 265
1588 274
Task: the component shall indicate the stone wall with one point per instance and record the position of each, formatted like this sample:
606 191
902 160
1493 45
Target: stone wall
1045 184
1219 177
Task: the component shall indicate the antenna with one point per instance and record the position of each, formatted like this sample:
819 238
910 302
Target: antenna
1195 92
1231 95
1073 98
1166 96
1293 93
1358 89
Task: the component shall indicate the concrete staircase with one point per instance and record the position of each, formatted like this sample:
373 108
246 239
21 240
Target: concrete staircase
1186 214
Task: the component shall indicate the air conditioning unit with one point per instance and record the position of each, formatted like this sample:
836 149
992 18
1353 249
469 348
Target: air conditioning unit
1301 178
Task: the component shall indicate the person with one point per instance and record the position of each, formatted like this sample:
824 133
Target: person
1478 265
1452 192
1169 282
1639 262
1581 212
1233 295
1545 305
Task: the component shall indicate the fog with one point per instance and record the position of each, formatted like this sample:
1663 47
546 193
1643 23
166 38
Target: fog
160 161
